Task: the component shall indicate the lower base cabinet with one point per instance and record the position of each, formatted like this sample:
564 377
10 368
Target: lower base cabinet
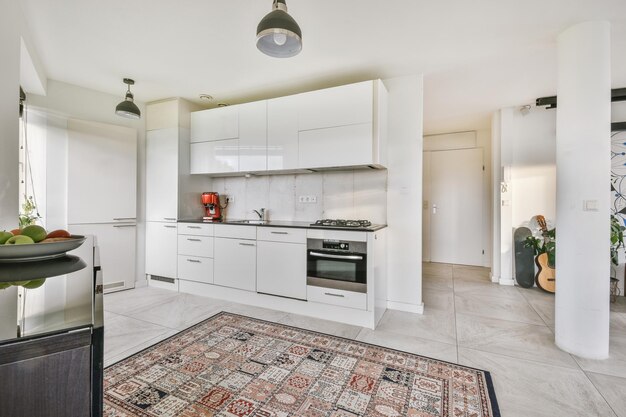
281 269
235 263
195 268
116 244
161 249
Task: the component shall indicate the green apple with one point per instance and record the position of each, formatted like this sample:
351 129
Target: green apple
36 283
4 236
35 232
19 240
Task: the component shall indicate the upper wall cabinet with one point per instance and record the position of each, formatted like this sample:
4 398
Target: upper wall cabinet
333 128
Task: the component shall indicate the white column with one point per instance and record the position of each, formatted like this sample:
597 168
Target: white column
583 175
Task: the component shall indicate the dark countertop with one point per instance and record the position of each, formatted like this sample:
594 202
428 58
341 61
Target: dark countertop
286 223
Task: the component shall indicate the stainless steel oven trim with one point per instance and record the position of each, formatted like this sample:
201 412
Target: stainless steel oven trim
327 255
337 285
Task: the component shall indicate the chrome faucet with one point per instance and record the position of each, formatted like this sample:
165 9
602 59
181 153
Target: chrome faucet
260 213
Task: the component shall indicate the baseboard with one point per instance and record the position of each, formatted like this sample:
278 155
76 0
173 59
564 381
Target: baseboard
409 308
494 278
141 283
504 281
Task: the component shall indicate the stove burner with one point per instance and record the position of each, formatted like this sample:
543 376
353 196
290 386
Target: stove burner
342 223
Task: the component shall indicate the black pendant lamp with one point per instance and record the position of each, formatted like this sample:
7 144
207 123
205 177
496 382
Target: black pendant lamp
128 108
278 35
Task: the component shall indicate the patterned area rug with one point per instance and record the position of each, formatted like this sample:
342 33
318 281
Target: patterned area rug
236 366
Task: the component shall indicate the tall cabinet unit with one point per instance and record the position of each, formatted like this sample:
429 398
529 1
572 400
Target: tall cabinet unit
102 195
171 192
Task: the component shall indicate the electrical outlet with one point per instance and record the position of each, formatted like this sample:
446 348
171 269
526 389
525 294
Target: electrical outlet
313 199
230 199
307 199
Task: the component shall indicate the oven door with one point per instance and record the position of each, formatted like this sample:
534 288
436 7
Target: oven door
333 269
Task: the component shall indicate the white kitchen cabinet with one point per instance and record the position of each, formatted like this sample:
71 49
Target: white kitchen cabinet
162 175
195 268
195 245
282 133
335 297
215 124
161 249
281 269
338 106
116 245
102 173
197 229
253 136
335 146
220 156
235 263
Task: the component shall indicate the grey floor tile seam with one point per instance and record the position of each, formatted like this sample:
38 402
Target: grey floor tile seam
456 328
500 318
127 315
598 389
536 312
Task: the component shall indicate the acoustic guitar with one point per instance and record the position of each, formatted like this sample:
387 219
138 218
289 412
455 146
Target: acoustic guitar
546 275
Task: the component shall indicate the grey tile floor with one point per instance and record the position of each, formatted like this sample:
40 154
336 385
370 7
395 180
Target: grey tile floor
508 331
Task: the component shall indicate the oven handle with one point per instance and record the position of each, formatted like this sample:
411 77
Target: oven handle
325 255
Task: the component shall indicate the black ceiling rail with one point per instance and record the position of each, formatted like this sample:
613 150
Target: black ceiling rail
617 94
618 127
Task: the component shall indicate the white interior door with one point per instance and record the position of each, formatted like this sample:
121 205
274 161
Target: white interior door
456 206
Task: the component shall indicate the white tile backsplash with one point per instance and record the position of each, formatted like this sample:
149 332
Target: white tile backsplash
358 194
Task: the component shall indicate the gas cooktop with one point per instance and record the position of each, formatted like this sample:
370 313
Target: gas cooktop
357 224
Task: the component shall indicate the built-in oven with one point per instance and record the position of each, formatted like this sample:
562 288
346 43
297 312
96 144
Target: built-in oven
337 264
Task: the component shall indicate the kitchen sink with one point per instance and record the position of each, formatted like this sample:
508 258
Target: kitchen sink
248 221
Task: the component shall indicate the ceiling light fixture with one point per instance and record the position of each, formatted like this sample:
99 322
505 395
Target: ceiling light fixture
128 108
278 35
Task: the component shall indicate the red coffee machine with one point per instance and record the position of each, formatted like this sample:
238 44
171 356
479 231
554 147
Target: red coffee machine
211 202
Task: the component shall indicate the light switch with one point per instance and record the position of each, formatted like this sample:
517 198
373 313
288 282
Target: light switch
591 205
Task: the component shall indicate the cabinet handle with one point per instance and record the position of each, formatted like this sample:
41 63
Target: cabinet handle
195 261
194 227
170 227
169 218
125 218
246 244
280 233
334 295
194 240
124 225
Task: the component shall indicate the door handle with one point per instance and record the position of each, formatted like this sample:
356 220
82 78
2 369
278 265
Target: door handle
334 295
280 233
246 244
194 240
169 218
124 225
434 208
124 218
194 227
326 255
195 261
170 227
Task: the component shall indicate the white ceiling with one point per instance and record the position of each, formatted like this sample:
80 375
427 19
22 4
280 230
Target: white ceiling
477 55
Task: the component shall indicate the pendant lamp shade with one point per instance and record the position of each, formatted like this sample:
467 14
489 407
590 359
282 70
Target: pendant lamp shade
128 108
278 35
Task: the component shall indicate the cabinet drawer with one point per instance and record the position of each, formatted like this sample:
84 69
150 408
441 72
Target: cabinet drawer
196 229
235 232
280 234
337 297
195 245
194 268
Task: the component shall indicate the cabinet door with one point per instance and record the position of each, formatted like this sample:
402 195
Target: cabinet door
215 124
338 106
161 249
282 133
215 157
336 146
235 263
162 175
102 172
281 269
116 243
253 136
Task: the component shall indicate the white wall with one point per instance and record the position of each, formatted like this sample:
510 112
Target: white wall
10 29
359 194
404 192
64 101
461 140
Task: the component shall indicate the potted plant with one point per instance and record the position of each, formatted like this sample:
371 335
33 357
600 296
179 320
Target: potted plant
29 214
617 241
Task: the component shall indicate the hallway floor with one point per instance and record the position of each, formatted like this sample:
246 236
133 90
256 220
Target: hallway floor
505 330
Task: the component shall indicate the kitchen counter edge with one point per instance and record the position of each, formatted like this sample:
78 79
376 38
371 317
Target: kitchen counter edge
292 224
